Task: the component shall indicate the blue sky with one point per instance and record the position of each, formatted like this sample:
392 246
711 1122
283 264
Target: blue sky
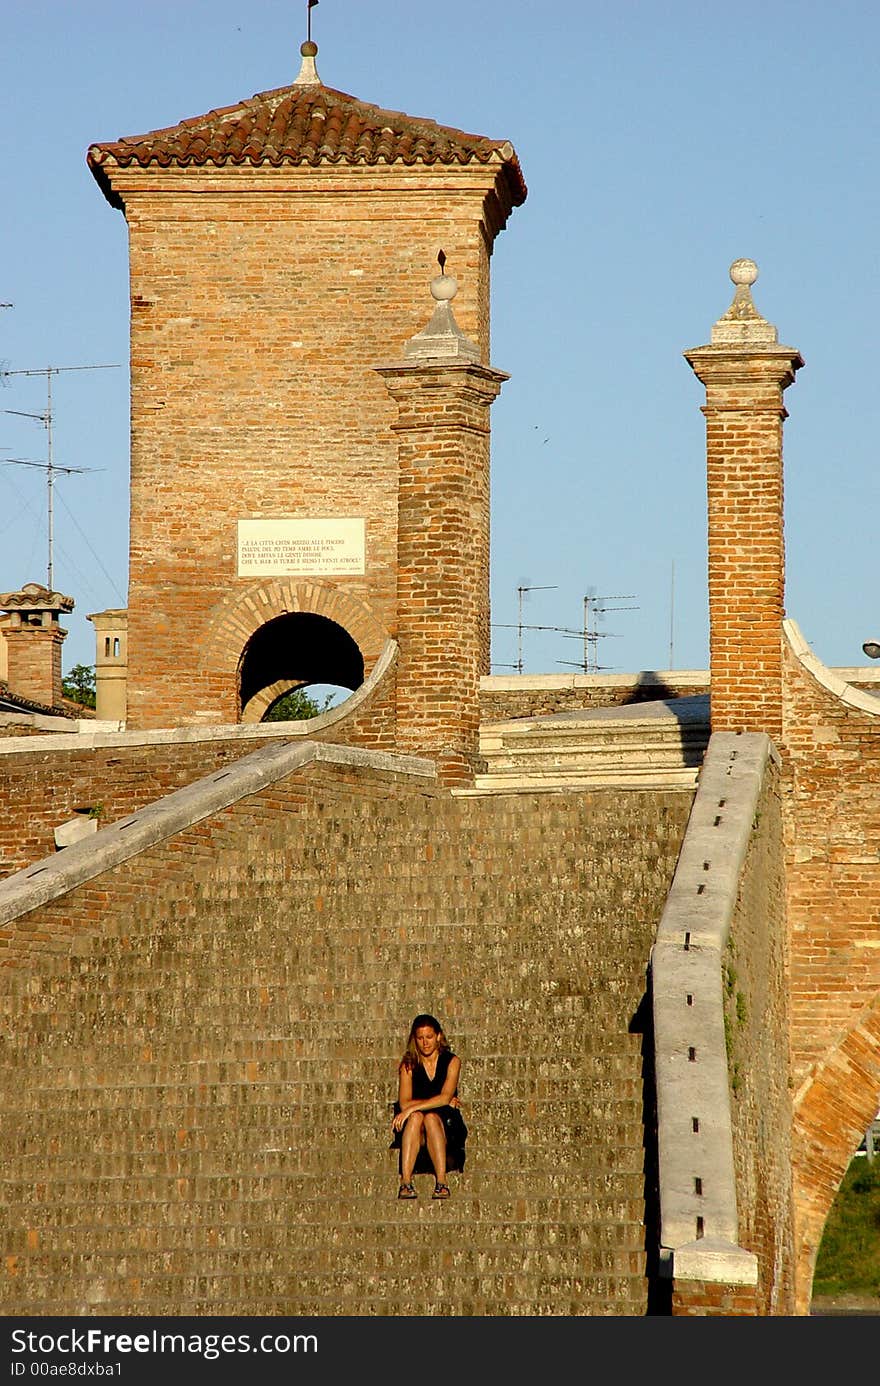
659 143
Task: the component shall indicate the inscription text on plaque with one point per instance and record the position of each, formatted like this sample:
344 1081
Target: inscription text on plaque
320 548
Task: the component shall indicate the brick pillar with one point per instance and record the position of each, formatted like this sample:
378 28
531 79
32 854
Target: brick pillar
33 642
443 394
745 372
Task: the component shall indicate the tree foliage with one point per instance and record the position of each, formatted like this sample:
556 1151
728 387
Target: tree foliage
296 706
78 684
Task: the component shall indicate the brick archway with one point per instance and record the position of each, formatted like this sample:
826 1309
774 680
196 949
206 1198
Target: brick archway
831 1118
237 618
301 648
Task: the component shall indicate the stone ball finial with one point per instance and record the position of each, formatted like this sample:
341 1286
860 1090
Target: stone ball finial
308 49
743 272
444 287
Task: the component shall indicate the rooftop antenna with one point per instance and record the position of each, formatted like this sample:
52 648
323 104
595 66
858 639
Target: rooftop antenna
590 633
521 625
521 591
49 466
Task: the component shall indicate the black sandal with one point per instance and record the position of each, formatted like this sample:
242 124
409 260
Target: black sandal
440 1191
407 1191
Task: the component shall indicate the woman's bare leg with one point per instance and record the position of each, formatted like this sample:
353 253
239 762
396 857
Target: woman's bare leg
412 1141
435 1137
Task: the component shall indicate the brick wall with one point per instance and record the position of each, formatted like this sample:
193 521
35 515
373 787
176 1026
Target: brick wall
832 755
707 1300
532 695
219 1022
43 786
261 301
756 1003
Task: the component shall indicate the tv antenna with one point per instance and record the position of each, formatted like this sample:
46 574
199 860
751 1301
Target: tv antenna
50 466
521 592
594 609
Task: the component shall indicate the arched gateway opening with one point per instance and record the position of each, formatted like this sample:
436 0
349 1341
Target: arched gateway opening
295 650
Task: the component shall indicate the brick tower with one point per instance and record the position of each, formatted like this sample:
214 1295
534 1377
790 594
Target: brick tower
745 372
279 250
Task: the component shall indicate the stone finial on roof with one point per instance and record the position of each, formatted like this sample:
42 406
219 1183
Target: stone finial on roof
742 324
442 339
308 73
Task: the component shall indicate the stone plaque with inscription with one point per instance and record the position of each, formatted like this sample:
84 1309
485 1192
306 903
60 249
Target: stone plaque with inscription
315 548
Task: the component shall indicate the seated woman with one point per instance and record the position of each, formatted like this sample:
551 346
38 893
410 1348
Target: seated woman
429 1130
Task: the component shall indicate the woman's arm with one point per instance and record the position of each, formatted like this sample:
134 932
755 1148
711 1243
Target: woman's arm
404 1085
427 1104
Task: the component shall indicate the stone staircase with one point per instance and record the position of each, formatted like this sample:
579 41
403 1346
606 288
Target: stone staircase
647 744
197 1092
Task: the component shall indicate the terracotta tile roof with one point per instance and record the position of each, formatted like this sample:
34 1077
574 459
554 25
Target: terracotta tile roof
305 124
14 702
35 597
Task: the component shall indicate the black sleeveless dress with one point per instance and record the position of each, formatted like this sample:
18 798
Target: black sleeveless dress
453 1121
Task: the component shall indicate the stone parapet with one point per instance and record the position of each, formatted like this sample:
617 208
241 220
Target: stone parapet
707 1202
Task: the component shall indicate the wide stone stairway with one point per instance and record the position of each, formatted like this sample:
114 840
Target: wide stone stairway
197 1090
645 744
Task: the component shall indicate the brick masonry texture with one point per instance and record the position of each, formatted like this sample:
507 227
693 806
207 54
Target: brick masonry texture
40 789
706 1300
443 514
744 486
501 704
756 1004
262 301
34 663
201 1127
832 755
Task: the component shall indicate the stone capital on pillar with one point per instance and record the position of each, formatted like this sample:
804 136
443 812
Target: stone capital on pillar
744 351
440 357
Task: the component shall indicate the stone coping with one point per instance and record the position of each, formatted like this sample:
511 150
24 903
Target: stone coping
673 711
678 678
92 735
834 681
45 880
690 1054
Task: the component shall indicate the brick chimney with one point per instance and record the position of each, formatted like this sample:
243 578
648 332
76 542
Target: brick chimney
443 394
34 638
745 372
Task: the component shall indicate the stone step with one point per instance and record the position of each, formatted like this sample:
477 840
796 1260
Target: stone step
500 1200
495 1154
331 1262
197 1139
314 1044
283 1294
488 1237
646 745
194 1078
